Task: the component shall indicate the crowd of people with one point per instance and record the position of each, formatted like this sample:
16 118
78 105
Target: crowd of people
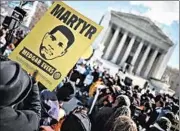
149 110
9 42
27 105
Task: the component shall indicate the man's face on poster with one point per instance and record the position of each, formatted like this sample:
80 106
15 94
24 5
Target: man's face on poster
53 45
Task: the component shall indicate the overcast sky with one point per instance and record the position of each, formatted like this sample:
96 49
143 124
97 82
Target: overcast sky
165 14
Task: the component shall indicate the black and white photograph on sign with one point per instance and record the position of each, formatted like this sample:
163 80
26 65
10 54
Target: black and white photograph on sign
56 42
97 66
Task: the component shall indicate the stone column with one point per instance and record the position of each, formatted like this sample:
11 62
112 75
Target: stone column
128 50
148 68
138 50
120 46
107 33
111 44
162 66
157 65
143 59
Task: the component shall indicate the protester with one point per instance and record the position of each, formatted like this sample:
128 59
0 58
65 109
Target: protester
81 69
124 123
20 107
95 74
105 112
65 93
88 81
118 107
121 111
50 108
77 120
163 124
175 109
157 109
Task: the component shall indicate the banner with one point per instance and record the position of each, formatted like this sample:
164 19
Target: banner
55 44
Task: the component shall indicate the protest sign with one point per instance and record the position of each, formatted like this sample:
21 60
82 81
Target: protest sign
55 44
88 53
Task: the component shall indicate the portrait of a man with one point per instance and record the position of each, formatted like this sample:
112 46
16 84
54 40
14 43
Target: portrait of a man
56 42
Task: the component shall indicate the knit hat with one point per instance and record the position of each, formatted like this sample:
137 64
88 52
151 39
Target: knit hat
15 84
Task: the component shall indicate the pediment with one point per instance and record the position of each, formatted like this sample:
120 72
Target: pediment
144 24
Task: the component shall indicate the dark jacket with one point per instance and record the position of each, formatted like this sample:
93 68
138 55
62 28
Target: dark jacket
25 116
153 117
102 117
96 76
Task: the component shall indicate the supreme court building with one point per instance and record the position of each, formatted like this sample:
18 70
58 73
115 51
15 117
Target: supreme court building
138 42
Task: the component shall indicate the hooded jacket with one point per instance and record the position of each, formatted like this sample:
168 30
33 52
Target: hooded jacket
25 117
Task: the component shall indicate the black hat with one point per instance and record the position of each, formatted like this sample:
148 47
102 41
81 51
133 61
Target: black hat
66 92
15 84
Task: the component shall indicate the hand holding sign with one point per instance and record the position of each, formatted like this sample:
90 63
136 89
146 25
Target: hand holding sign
34 76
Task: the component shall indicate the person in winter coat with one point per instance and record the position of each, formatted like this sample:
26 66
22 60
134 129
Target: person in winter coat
20 108
124 123
157 109
50 108
95 75
104 113
121 111
77 120
163 124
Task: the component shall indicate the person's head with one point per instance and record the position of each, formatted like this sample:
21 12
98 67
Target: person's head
160 104
135 95
15 83
117 77
76 122
48 99
151 96
148 91
124 123
129 93
122 100
158 100
164 123
147 106
136 87
121 111
66 92
56 42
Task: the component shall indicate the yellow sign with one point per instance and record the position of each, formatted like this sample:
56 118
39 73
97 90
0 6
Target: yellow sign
56 43
88 53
